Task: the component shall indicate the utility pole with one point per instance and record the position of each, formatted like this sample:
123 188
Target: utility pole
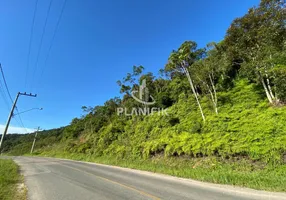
12 113
33 145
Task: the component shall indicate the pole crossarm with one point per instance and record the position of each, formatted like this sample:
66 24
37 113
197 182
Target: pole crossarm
26 94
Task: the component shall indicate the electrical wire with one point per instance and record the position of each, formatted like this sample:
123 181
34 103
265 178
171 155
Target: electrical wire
9 94
5 83
41 41
30 42
52 41
3 94
21 122
2 91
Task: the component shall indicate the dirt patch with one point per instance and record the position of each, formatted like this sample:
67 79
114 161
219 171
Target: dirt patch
21 192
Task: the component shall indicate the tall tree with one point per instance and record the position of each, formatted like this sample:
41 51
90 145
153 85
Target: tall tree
210 69
256 38
181 61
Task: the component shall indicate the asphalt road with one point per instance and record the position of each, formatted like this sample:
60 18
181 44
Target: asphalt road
56 179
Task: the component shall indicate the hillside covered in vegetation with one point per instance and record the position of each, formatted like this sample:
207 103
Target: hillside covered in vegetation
225 106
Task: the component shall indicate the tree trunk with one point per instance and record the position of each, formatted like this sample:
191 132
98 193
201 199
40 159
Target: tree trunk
215 95
274 77
264 85
194 91
265 89
269 86
212 95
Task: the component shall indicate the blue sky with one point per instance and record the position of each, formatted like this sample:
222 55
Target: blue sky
97 43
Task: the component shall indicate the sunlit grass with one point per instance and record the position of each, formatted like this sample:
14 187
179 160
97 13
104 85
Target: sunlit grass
9 178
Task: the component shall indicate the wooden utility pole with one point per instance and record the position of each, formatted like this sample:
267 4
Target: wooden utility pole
12 113
33 145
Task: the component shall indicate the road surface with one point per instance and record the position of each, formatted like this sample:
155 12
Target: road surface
57 179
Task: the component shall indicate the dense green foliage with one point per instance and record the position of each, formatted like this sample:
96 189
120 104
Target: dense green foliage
224 101
9 178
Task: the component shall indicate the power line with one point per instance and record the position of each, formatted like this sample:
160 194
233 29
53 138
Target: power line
30 41
3 94
2 91
53 38
21 124
41 41
9 94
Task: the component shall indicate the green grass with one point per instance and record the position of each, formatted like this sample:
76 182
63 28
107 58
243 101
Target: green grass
239 172
9 179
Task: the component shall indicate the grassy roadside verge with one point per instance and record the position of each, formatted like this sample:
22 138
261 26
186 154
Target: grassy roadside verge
238 172
9 181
